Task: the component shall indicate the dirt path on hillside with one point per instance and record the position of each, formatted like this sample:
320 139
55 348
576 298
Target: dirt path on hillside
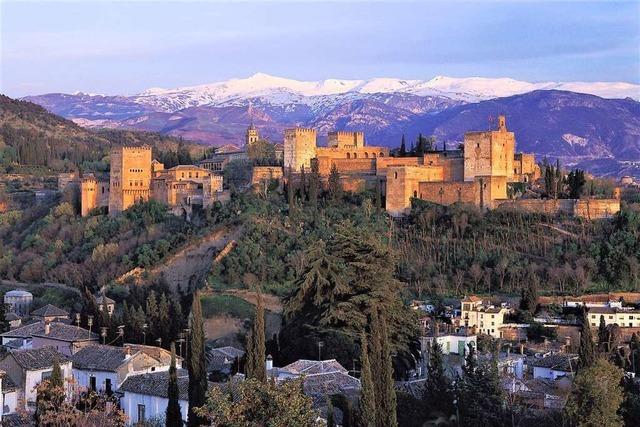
190 265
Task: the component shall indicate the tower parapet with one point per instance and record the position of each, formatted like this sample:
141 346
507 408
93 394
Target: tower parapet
346 139
130 177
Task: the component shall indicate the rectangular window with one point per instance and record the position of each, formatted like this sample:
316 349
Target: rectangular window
45 375
92 383
141 418
107 386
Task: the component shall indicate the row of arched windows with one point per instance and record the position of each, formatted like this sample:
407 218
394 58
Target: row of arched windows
366 155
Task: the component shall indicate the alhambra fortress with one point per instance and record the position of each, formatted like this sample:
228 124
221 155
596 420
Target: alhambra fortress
479 172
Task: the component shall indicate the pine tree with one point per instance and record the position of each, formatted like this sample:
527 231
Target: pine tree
197 363
173 416
403 148
367 393
587 350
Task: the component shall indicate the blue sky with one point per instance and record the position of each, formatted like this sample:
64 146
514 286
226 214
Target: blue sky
126 47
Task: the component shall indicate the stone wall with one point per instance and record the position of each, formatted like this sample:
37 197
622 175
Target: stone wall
584 208
383 163
446 193
265 173
93 194
346 166
403 183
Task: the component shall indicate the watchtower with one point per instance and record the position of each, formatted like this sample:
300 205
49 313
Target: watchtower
299 148
130 177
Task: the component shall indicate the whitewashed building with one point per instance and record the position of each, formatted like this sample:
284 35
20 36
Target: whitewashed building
9 394
145 396
554 366
27 368
19 301
104 368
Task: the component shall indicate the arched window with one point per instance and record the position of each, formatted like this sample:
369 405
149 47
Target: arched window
395 175
415 193
355 155
381 154
348 155
366 155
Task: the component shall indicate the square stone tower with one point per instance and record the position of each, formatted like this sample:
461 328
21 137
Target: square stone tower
251 135
130 177
344 139
299 149
489 153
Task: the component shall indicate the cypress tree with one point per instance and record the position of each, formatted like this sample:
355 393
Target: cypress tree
438 394
387 412
403 148
197 363
259 344
56 380
291 191
376 361
250 362
587 350
367 393
4 325
173 415
335 189
314 185
603 336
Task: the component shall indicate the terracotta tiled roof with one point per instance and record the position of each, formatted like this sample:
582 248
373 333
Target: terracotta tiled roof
25 331
39 358
49 310
558 362
63 332
156 384
99 358
308 367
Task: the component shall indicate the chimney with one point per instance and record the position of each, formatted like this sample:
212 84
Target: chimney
47 328
127 352
269 363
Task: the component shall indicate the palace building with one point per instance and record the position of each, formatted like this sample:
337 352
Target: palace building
134 177
479 173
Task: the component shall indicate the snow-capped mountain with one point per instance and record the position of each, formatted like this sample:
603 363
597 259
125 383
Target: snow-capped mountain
280 91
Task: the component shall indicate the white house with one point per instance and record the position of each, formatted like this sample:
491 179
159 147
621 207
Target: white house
482 318
27 368
65 338
450 343
9 394
145 396
19 301
554 366
104 368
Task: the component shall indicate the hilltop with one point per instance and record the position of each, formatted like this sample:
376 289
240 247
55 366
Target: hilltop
32 136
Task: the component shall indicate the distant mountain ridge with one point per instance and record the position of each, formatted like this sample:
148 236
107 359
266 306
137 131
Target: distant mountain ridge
578 122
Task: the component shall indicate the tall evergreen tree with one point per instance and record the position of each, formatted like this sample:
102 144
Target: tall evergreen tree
438 394
587 350
420 148
4 325
173 416
387 415
56 380
335 188
603 336
197 365
367 393
403 148
314 185
257 366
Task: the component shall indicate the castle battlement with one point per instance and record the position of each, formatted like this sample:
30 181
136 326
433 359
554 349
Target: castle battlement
346 132
300 130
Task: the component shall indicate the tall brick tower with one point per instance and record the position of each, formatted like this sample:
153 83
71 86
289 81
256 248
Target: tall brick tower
130 177
299 149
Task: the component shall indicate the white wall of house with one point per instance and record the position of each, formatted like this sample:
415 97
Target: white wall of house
10 402
82 378
33 378
547 373
154 406
65 347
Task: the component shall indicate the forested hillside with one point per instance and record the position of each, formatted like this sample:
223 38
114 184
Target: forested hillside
30 136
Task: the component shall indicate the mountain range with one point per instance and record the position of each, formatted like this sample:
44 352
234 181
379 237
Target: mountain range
585 124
